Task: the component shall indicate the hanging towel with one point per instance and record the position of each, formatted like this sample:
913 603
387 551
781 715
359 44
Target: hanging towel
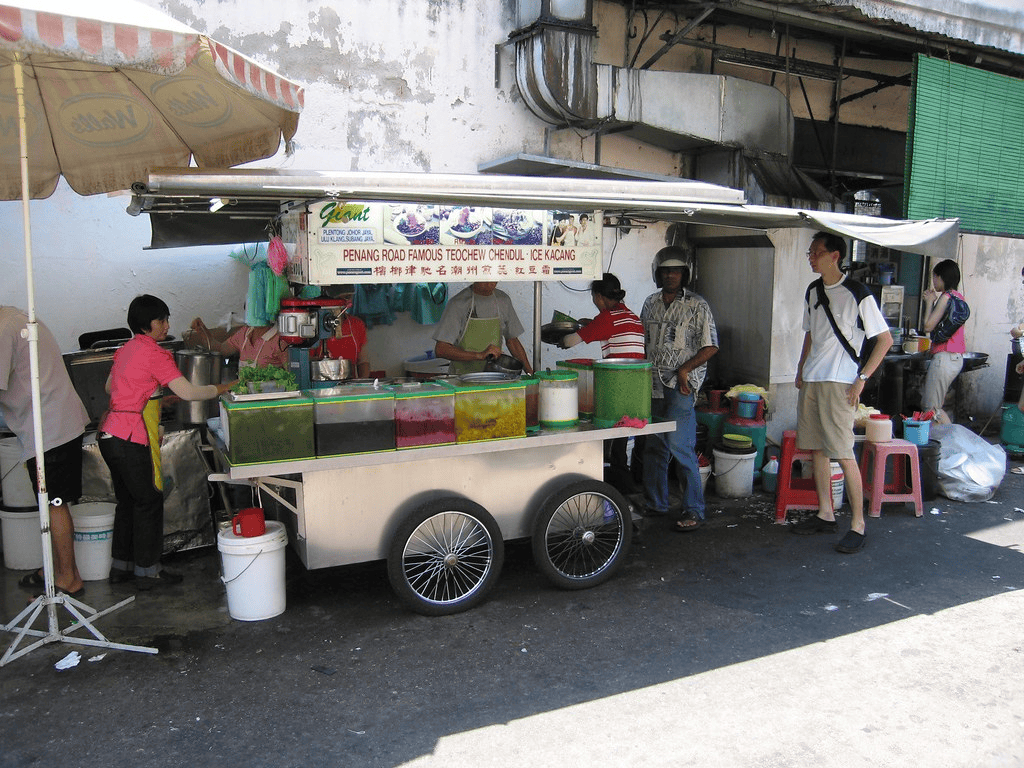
401 297
428 302
372 305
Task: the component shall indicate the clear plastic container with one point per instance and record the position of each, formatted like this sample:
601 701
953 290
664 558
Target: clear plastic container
424 415
268 430
559 399
584 368
489 409
878 428
622 387
354 418
532 403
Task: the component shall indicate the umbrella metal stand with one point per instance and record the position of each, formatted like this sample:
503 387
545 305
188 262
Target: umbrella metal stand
49 599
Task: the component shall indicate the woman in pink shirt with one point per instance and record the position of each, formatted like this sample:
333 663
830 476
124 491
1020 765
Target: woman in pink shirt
947 357
140 367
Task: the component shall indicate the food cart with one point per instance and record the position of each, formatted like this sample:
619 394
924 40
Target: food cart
439 515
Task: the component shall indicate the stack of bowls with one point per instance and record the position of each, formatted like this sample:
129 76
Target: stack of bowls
737 442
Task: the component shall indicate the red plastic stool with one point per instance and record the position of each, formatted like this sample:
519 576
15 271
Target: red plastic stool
793 492
872 473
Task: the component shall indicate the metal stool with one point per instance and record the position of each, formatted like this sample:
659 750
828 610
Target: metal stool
793 492
872 473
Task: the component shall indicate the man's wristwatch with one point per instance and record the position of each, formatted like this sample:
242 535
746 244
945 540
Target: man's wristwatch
863 377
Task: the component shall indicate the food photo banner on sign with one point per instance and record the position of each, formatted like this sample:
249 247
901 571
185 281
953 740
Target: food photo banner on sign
353 242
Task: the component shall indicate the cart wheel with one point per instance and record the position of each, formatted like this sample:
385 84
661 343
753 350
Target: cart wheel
445 557
581 534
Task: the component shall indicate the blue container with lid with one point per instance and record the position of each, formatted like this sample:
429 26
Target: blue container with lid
746 407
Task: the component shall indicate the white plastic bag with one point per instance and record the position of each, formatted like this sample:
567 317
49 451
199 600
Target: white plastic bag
970 468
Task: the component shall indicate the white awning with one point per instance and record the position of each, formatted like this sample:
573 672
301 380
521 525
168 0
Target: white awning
190 191
936 238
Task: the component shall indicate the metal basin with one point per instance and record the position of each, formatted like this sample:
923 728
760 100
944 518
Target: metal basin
486 377
553 333
504 364
975 360
331 369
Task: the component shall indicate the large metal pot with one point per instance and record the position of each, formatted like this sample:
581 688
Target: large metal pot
200 368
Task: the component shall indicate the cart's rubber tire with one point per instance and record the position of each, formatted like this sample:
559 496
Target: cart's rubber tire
445 557
581 534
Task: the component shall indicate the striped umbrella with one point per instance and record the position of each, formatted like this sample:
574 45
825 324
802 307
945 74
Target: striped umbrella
113 87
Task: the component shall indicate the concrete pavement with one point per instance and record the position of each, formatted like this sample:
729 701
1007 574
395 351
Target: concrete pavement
736 645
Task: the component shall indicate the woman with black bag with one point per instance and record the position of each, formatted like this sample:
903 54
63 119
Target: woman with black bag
947 353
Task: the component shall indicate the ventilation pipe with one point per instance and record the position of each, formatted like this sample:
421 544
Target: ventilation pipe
679 111
555 59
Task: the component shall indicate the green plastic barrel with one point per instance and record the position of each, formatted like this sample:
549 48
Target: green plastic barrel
622 387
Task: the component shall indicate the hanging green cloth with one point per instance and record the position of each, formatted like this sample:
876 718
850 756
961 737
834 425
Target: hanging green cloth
427 302
263 302
372 304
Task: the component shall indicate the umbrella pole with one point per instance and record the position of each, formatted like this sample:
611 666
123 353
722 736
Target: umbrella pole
49 600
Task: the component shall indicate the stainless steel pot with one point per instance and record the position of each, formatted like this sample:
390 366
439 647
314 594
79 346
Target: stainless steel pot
200 368
332 369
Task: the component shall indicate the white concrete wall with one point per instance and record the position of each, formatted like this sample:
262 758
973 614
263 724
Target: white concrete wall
89 264
792 276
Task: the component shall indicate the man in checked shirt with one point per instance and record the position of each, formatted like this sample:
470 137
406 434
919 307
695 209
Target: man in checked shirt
680 337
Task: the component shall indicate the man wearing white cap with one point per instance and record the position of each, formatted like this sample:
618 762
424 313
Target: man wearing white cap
680 338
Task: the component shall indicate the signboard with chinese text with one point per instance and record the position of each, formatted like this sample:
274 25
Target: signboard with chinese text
351 242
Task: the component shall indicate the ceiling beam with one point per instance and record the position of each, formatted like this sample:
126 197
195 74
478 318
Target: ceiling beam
769 61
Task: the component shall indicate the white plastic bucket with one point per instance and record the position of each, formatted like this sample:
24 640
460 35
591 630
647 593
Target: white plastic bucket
838 483
94 536
16 485
705 472
836 479
734 474
23 543
254 572
878 430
